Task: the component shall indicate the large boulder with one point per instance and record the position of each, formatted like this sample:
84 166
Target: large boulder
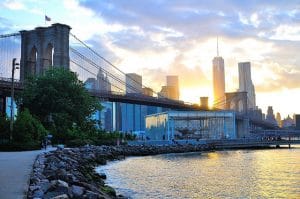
77 191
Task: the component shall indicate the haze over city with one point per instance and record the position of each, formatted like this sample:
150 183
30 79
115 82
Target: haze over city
179 38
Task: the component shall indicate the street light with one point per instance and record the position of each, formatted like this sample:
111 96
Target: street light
14 66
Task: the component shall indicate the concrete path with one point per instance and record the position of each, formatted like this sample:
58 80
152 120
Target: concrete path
15 169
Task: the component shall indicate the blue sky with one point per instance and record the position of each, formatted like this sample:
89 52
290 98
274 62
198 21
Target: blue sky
159 37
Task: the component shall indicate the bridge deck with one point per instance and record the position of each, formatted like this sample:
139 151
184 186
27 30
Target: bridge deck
134 98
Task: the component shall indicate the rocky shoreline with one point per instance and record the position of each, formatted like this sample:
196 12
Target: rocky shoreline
70 173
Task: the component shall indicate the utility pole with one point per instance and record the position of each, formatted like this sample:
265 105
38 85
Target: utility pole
14 66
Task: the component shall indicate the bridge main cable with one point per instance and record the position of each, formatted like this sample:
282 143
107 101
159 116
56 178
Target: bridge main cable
10 35
108 62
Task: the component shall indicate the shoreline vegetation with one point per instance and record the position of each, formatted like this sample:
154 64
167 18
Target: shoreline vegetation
70 172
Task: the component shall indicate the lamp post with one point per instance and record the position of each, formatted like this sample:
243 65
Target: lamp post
14 66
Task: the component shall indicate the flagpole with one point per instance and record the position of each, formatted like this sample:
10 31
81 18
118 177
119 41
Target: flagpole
45 16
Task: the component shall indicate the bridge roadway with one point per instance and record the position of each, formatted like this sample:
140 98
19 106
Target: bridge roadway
135 98
5 85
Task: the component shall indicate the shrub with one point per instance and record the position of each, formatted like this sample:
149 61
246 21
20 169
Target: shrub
105 142
4 128
28 129
109 190
79 142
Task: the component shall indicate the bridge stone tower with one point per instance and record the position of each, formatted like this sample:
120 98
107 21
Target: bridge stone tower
43 48
237 101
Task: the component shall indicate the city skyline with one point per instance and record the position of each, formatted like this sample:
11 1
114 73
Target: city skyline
179 40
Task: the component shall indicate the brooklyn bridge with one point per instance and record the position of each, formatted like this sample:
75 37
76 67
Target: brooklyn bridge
125 104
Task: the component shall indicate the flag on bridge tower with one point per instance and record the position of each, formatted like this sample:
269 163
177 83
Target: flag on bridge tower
47 18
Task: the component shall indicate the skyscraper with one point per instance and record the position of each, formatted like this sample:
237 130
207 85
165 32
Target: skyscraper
134 83
172 83
218 80
245 83
171 90
100 83
270 116
131 113
278 119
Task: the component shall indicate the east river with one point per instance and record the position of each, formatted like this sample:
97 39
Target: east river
271 173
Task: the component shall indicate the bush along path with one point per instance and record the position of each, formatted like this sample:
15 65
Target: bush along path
70 173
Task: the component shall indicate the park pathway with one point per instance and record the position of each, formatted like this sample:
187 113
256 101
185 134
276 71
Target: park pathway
15 169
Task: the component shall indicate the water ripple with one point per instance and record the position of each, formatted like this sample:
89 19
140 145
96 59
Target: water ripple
223 174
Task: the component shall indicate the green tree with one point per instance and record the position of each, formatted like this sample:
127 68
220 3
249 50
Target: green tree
28 129
4 127
60 101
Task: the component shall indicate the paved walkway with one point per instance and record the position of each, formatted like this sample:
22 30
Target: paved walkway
15 169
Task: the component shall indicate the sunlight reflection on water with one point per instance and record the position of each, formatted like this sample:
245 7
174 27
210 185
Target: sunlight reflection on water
222 174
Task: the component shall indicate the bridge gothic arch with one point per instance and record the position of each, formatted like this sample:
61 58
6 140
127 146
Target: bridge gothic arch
31 63
232 105
240 106
52 47
48 56
236 101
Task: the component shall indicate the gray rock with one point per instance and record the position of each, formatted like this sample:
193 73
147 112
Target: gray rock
34 180
61 165
102 175
63 196
34 187
45 186
57 187
38 193
77 191
91 195
61 183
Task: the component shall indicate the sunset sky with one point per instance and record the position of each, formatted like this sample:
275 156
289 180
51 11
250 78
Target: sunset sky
156 38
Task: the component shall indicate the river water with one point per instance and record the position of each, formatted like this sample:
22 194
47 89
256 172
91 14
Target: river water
272 173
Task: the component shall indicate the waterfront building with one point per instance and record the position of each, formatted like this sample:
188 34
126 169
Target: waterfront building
108 121
104 117
134 83
133 116
245 83
180 125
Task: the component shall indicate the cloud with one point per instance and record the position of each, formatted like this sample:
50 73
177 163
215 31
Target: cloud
196 18
189 77
160 37
14 5
283 77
